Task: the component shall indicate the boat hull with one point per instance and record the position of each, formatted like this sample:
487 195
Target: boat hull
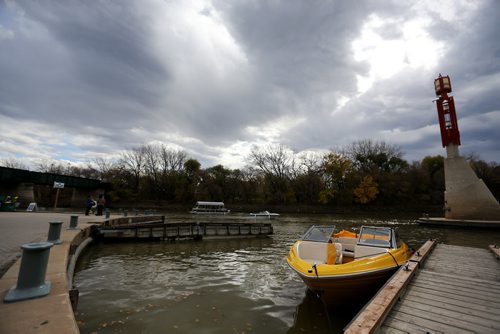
348 288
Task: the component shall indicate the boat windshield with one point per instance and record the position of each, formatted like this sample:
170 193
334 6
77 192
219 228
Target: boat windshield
319 233
375 236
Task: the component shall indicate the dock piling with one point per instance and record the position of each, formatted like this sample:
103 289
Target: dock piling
73 223
54 233
31 279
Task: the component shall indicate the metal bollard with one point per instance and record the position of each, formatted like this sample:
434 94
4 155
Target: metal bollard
107 214
55 233
136 212
31 279
73 223
125 213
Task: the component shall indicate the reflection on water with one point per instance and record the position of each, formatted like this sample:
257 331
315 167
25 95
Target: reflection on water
221 286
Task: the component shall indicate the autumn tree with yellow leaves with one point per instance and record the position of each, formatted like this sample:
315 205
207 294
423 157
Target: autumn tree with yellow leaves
366 191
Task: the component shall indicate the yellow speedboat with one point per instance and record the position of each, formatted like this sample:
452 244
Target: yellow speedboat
345 264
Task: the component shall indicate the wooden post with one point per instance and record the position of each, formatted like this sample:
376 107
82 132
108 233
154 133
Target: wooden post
57 198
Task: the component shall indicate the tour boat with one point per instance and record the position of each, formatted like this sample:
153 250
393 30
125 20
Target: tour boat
345 264
264 214
209 208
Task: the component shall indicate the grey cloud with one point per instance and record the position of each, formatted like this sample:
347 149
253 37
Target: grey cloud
108 73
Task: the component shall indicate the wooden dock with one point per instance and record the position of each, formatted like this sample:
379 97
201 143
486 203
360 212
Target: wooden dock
454 290
155 227
441 221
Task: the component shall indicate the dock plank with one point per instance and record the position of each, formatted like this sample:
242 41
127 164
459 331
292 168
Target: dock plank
467 271
418 322
479 290
452 321
466 281
394 325
450 289
495 311
456 290
483 313
451 296
455 315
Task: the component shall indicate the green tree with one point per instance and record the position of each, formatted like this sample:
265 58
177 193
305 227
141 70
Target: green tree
337 172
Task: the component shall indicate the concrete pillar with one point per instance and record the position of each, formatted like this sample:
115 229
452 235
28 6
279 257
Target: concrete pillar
466 196
55 233
452 151
73 223
31 279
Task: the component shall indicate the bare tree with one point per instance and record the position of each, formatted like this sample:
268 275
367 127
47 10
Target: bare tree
152 161
103 166
134 161
274 160
172 160
369 156
277 163
51 166
310 162
13 163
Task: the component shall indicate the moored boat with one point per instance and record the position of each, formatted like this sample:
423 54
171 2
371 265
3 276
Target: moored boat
209 208
346 265
264 214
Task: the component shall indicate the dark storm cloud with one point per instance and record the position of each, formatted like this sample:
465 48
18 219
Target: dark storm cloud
80 58
100 77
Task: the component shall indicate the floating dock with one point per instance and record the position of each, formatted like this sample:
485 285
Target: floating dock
443 289
155 227
459 222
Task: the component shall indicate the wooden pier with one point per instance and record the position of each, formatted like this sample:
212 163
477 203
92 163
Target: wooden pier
155 227
444 289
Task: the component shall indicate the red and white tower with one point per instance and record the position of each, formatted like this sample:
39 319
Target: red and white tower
450 136
466 196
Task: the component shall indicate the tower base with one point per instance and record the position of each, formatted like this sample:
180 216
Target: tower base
466 196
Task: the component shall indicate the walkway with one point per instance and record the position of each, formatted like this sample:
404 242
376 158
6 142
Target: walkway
18 228
457 290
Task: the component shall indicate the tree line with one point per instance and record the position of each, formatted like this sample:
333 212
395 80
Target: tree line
363 173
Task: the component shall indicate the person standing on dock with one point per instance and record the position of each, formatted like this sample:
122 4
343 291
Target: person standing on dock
100 205
89 203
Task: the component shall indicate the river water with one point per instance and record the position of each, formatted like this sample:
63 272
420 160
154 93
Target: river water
223 286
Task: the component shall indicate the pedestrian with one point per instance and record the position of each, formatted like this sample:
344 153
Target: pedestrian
89 203
100 205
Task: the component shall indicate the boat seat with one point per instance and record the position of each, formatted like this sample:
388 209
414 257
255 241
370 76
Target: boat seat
339 254
313 252
348 245
366 251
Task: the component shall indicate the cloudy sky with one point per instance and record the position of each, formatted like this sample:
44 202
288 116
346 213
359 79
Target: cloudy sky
87 79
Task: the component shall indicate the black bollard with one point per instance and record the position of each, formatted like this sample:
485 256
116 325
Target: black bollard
125 213
73 223
31 279
107 213
55 233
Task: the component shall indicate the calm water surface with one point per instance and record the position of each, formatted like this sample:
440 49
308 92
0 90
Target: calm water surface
222 286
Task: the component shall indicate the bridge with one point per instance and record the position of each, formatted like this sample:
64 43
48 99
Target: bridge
38 187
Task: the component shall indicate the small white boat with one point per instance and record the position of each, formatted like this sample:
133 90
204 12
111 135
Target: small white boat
264 214
209 208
